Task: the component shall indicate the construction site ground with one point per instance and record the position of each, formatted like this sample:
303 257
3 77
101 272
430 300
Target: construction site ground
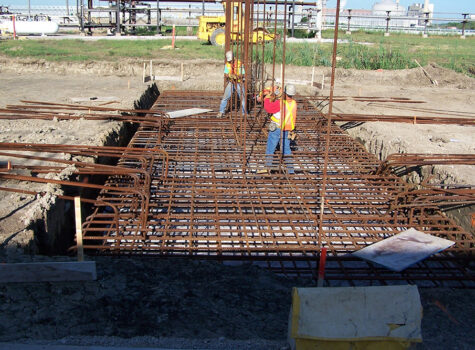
180 303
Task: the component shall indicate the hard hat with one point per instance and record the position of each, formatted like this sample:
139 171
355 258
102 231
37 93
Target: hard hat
290 90
229 56
268 84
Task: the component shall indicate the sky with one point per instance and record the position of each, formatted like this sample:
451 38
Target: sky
452 6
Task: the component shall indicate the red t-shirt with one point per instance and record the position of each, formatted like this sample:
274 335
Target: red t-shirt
271 107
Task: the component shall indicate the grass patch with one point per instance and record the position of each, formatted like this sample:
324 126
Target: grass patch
107 50
397 51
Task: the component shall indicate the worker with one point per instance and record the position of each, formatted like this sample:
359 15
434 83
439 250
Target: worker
284 115
269 87
233 72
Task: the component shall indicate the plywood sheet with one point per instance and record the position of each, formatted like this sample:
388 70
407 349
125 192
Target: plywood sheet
404 249
187 112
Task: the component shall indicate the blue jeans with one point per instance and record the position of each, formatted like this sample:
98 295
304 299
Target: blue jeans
272 141
227 95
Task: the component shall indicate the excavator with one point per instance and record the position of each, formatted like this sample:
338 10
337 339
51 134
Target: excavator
212 28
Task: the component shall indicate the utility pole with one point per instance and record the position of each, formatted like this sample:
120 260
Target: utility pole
117 19
387 23
463 25
348 31
82 16
426 21
319 20
293 17
159 18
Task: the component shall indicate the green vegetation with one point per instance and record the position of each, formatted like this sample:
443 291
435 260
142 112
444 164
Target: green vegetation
166 31
458 25
400 50
362 50
372 50
107 50
351 55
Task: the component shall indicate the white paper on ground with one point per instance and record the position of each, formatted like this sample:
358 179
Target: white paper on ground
404 249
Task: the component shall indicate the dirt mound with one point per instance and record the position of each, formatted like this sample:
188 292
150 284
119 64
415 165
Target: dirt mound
414 77
120 68
134 67
449 78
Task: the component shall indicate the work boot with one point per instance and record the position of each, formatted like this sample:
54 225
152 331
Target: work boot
220 115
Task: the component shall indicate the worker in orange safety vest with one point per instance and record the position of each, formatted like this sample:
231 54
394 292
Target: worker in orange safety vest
283 120
234 72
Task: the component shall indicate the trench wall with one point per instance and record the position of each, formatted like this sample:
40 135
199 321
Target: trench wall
53 232
381 146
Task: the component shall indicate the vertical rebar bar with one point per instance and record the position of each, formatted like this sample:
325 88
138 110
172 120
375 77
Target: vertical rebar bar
282 104
328 131
245 82
263 48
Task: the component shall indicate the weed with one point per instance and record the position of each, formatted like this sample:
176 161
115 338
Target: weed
363 50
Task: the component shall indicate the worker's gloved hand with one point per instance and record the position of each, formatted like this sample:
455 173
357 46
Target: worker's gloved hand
273 97
232 77
292 135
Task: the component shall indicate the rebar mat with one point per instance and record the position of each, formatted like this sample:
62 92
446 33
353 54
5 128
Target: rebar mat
209 201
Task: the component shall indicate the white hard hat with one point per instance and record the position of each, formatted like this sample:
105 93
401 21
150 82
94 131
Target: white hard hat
229 56
290 90
268 84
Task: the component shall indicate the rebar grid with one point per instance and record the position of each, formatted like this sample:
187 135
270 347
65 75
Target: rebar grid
124 198
416 159
209 206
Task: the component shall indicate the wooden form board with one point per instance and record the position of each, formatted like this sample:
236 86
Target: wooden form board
48 272
187 112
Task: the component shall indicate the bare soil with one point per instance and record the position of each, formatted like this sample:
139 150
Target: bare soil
191 304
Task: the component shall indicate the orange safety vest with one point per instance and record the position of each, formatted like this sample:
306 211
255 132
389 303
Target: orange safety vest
290 109
235 68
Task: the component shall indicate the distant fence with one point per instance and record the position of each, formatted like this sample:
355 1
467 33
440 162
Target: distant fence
187 15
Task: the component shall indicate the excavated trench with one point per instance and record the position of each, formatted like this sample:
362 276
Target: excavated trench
381 148
54 232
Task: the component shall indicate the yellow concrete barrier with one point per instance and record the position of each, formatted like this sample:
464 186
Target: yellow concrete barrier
355 318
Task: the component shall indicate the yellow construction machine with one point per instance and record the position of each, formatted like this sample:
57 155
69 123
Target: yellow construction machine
212 28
